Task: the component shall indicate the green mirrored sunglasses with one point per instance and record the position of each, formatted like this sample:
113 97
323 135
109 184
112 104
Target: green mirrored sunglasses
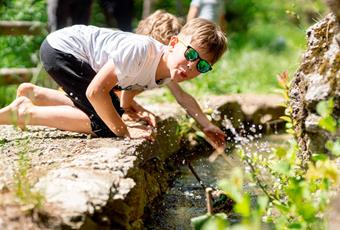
192 55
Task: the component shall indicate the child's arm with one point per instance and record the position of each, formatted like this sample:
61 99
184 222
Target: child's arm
192 13
98 93
214 133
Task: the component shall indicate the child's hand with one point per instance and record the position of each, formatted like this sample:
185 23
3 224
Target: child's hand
138 131
140 115
216 137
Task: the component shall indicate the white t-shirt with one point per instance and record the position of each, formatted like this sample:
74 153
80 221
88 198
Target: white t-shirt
209 9
135 57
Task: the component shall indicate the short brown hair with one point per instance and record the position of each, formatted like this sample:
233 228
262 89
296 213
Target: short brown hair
207 36
160 25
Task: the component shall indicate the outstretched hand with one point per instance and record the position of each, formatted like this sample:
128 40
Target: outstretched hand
215 137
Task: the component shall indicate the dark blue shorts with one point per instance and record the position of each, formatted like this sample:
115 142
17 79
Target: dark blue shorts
74 76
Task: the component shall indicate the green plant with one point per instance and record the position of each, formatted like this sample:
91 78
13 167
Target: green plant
21 51
290 197
23 187
325 109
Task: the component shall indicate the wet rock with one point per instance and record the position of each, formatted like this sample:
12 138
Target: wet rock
318 89
312 123
245 110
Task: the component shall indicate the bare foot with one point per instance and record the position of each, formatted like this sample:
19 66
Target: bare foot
17 113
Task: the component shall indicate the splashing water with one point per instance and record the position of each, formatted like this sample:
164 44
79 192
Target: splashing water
251 136
186 199
238 139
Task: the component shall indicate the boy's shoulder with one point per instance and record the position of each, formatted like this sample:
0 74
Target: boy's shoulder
139 47
146 42
145 39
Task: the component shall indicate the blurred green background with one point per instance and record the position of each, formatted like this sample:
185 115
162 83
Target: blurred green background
266 37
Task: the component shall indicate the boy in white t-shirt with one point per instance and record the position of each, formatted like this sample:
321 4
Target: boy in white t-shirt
89 63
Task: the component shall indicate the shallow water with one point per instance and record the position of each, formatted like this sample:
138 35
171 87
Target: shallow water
185 199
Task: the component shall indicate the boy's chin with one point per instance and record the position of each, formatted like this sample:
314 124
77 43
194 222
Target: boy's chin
177 78
174 78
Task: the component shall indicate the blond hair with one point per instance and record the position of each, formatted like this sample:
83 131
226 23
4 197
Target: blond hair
207 36
160 25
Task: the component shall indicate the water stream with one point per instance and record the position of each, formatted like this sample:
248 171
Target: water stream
185 199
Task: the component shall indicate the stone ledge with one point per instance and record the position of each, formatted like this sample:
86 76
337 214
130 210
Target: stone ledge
101 182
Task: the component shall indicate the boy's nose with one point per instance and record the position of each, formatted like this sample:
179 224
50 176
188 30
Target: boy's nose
190 65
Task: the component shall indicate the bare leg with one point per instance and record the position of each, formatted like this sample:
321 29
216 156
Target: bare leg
64 117
43 96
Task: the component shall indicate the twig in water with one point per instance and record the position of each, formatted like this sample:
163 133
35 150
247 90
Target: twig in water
195 174
208 196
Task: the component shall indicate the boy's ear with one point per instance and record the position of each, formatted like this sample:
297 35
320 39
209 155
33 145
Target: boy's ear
173 41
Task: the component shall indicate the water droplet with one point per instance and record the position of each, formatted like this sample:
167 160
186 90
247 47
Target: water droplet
216 115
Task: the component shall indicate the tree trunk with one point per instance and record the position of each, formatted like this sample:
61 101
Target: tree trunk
147 7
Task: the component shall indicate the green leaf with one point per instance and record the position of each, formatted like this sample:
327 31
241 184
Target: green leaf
221 215
200 134
243 207
319 157
3 141
322 108
262 201
333 147
234 185
289 125
328 123
206 222
198 222
282 167
280 152
218 222
286 118
290 131
231 190
336 148
325 108
280 206
326 183
307 211
282 105
295 226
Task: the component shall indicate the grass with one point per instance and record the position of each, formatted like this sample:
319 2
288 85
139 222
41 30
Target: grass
23 187
7 94
250 68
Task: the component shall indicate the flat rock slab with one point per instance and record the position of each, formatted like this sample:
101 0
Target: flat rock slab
78 176
75 173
